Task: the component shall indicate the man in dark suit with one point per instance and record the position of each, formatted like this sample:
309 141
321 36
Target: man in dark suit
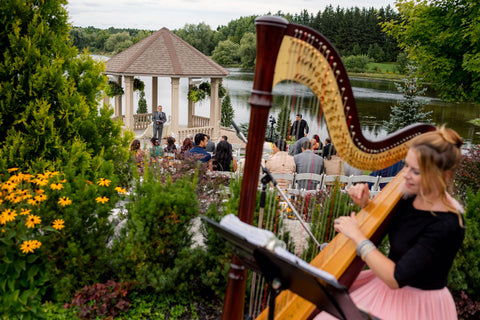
299 128
158 118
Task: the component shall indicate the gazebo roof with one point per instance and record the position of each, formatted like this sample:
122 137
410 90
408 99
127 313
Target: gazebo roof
163 54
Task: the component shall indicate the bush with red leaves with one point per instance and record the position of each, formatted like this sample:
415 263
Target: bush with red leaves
101 299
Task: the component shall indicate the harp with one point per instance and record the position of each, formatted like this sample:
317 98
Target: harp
293 52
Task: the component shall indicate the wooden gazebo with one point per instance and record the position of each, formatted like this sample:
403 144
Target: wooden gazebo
164 54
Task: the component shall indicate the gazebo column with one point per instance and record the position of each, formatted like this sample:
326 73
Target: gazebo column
154 94
118 100
215 108
191 109
129 102
175 99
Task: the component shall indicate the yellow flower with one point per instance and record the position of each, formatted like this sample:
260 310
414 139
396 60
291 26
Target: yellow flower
40 182
36 244
101 199
25 212
25 176
64 201
27 246
104 182
58 224
33 202
9 185
56 186
40 197
32 220
7 216
12 169
121 190
39 191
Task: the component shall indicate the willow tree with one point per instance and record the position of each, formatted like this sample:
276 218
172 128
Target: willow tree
48 93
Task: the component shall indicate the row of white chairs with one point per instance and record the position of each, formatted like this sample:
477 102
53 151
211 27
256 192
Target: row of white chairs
324 180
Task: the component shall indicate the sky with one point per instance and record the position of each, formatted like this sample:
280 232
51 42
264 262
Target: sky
175 14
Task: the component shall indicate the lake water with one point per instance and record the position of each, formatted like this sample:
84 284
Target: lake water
373 99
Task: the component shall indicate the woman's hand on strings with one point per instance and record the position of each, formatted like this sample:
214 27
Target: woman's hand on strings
348 226
360 194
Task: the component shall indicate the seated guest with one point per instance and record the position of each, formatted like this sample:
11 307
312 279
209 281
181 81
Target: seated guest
210 145
223 159
187 145
137 153
308 162
334 165
171 147
198 151
281 162
317 145
296 147
328 149
156 151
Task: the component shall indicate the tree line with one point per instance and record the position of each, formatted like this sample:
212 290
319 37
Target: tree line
352 31
441 38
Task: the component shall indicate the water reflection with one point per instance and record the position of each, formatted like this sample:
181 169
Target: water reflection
373 100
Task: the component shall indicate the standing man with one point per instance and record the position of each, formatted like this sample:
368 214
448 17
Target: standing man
299 128
158 118
308 162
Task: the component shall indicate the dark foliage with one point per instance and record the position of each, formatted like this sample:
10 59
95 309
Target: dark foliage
105 300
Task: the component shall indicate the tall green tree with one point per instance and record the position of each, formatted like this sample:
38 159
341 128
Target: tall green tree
199 36
226 53
48 93
248 50
442 38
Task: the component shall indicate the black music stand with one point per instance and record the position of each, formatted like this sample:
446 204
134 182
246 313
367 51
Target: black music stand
283 270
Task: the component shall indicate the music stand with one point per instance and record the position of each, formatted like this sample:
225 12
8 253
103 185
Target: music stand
283 270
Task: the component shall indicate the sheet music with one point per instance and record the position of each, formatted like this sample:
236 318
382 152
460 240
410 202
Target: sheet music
266 239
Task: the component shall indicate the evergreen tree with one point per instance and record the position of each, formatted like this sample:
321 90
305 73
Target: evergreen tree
142 103
410 110
48 94
227 113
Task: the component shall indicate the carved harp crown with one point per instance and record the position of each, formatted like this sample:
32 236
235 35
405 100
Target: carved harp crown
292 52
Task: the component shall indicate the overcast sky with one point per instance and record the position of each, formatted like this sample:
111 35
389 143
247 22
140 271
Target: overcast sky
174 14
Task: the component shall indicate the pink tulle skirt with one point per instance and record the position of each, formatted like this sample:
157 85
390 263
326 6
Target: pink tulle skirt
372 295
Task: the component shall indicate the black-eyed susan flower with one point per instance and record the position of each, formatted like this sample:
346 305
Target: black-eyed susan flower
7 216
58 224
27 246
104 182
102 199
41 197
64 201
56 186
32 220
12 169
121 190
33 202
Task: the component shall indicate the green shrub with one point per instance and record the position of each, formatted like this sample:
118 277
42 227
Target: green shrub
357 63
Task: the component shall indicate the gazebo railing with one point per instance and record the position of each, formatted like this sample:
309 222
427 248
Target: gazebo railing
141 121
184 132
199 121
